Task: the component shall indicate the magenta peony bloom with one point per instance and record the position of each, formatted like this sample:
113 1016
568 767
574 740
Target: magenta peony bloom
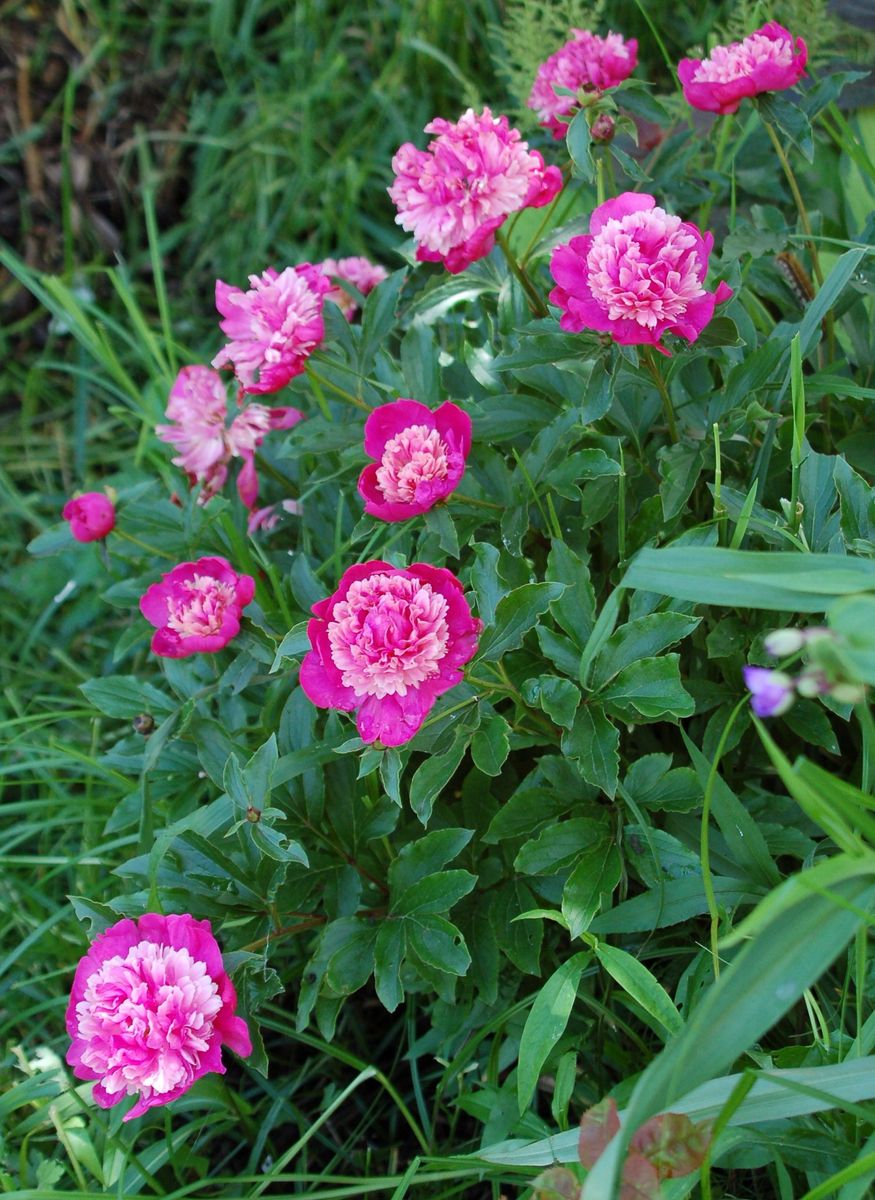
388 643
636 275
274 327
771 691
150 1009
360 272
766 61
420 457
587 62
196 607
453 196
198 405
91 516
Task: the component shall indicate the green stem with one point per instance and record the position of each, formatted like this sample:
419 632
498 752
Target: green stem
129 537
601 186
665 396
722 139
704 848
339 391
475 501
797 197
536 304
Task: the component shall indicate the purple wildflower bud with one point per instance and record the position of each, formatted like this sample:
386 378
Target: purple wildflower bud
771 691
812 682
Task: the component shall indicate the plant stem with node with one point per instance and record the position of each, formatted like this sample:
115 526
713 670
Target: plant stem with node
536 304
662 388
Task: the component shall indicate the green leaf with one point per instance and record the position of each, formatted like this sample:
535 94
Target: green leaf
388 955
125 696
546 1023
596 873
524 811
434 894
579 141
438 943
651 687
637 981
294 645
439 522
784 582
854 619
490 745
352 963
557 697
559 845
593 742
99 916
675 901
379 317
680 468
778 109
516 614
426 855
485 581
433 775
642 638
775 1096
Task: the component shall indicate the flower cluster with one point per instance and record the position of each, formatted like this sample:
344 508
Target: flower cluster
419 457
766 61
637 275
359 272
273 327
773 692
387 643
588 63
453 196
150 1008
196 607
198 410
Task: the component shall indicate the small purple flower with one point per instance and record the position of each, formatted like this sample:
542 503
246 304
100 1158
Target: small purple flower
771 691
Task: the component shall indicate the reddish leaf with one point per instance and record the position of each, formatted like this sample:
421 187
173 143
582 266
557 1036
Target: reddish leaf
597 1126
557 1183
640 1180
673 1144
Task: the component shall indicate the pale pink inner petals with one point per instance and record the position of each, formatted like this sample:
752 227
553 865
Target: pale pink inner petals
249 428
415 456
146 1018
475 170
388 634
644 267
196 608
587 61
739 59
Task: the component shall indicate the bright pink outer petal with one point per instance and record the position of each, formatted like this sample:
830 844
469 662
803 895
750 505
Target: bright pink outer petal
394 720
390 419
153 604
723 98
568 264
285 418
247 480
454 426
619 207
687 68
377 506
581 313
724 292
546 189
321 689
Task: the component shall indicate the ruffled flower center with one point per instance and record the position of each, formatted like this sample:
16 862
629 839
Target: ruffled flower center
197 606
644 268
389 634
727 63
474 171
415 457
147 1017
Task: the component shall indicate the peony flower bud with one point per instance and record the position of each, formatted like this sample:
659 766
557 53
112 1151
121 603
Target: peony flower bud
91 516
603 127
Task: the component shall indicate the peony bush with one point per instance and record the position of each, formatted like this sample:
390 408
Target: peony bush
482 677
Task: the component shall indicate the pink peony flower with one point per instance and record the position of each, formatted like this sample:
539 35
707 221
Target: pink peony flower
196 607
360 272
453 196
91 516
420 457
388 643
198 405
150 1009
636 275
766 61
587 62
274 327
